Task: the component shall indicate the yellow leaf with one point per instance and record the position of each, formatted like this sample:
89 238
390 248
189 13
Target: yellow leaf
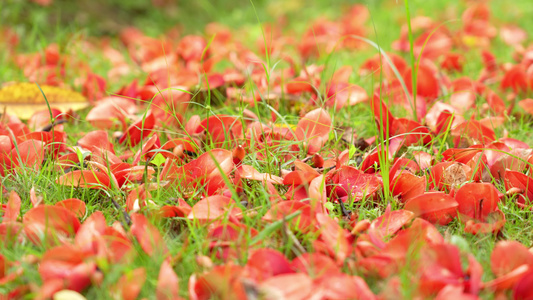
68 295
23 99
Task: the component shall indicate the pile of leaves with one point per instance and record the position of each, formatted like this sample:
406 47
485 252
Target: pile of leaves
270 209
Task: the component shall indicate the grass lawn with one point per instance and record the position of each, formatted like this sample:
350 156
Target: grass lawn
266 149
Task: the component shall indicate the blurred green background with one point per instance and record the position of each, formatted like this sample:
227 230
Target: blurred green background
108 17
65 20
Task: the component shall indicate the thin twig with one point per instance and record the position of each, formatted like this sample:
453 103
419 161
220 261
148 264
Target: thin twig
127 218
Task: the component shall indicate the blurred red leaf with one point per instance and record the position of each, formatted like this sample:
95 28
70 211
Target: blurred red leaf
436 207
147 235
74 205
85 179
167 282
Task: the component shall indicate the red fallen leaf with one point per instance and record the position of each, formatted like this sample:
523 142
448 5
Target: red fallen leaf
266 263
109 109
419 235
181 144
299 85
2 266
147 235
74 205
129 91
282 209
138 130
473 129
453 62
193 124
454 292
509 255
211 208
229 239
413 132
508 280
526 105
183 210
29 153
89 232
495 102
514 179
104 157
439 117
301 286
512 35
514 143
97 138
515 78
372 161
318 194
12 208
427 84
436 207
170 103
377 62
510 160
66 262
314 129
18 129
49 222
493 122
522 289
492 155
130 284
353 183
463 100
94 87
493 223
85 179
460 155
433 43
238 155
334 236
315 265
5 144
406 186
423 159
222 282
510 261
299 177
133 174
250 173
120 247
221 128
401 165
167 283
382 115
477 200
342 74
341 94
342 286
136 199
378 265
440 266
476 20
203 171
35 201
390 222
192 48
